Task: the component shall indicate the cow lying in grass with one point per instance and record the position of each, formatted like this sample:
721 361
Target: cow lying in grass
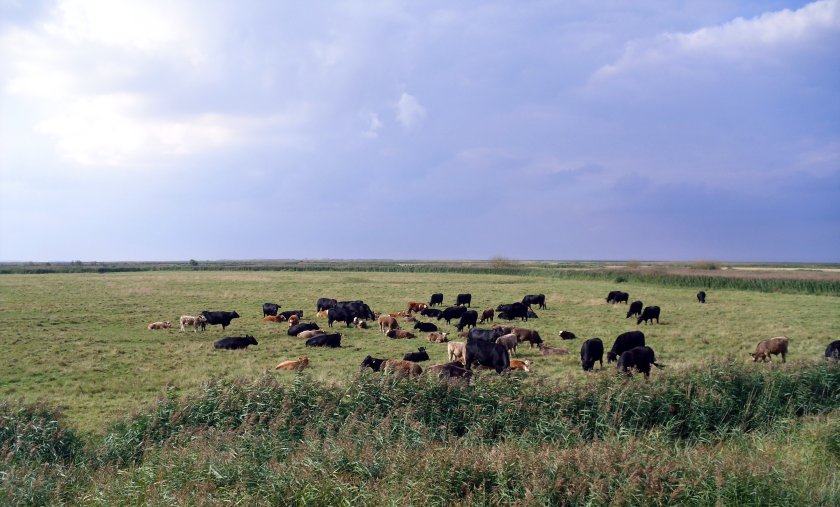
159 325
401 368
295 364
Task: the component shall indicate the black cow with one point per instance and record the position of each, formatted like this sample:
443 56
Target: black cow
468 319
431 312
617 296
534 299
625 341
701 296
436 299
357 309
235 342
289 313
487 335
592 350
513 311
339 314
270 309
222 318
426 327
325 340
567 335
635 309
420 355
372 363
648 314
452 312
638 357
833 350
491 355
531 315
299 328
463 299
325 304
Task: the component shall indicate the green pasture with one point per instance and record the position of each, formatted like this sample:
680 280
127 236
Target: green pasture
79 341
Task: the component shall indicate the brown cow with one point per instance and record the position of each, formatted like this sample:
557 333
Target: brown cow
399 333
486 315
510 341
416 307
359 323
775 346
195 322
387 322
527 335
548 351
159 325
294 320
402 368
296 364
518 364
322 313
437 337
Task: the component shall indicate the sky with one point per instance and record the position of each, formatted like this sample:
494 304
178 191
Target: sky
567 130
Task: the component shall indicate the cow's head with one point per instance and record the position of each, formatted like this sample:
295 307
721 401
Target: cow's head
250 340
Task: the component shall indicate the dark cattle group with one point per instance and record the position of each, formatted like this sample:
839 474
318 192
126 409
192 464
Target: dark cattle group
640 358
235 342
625 341
489 354
513 311
219 318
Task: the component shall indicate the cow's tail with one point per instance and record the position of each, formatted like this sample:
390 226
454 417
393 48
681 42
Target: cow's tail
660 366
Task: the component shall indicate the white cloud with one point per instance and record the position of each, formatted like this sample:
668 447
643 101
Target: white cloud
409 110
374 126
758 37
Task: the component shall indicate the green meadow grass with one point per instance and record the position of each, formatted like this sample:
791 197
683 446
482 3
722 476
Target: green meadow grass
79 341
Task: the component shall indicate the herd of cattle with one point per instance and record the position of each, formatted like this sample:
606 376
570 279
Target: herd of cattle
487 348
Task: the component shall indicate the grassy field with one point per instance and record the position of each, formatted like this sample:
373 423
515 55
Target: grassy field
97 410
80 340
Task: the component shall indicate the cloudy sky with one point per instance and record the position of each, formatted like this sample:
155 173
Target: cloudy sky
641 130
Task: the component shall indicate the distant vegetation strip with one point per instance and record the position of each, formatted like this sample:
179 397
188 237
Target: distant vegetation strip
364 443
683 276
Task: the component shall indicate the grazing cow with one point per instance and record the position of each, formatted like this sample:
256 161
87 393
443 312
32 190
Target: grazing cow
235 342
325 304
639 358
625 341
296 364
402 368
455 351
452 312
486 315
567 335
414 306
701 296
527 335
325 340
616 296
492 355
436 299
551 351
270 309
420 355
453 370
195 322
399 333
648 314
592 350
833 350
775 346
216 318
611 295
310 333
510 341
372 363
468 319
386 323
431 312
513 311
294 320
532 299
487 335
322 313
338 314
295 330
463 299
518 364
635 309
438 337
288 314
357 308
425 327
159 325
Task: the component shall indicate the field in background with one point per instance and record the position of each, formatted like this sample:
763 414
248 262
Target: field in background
712 427
80 340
